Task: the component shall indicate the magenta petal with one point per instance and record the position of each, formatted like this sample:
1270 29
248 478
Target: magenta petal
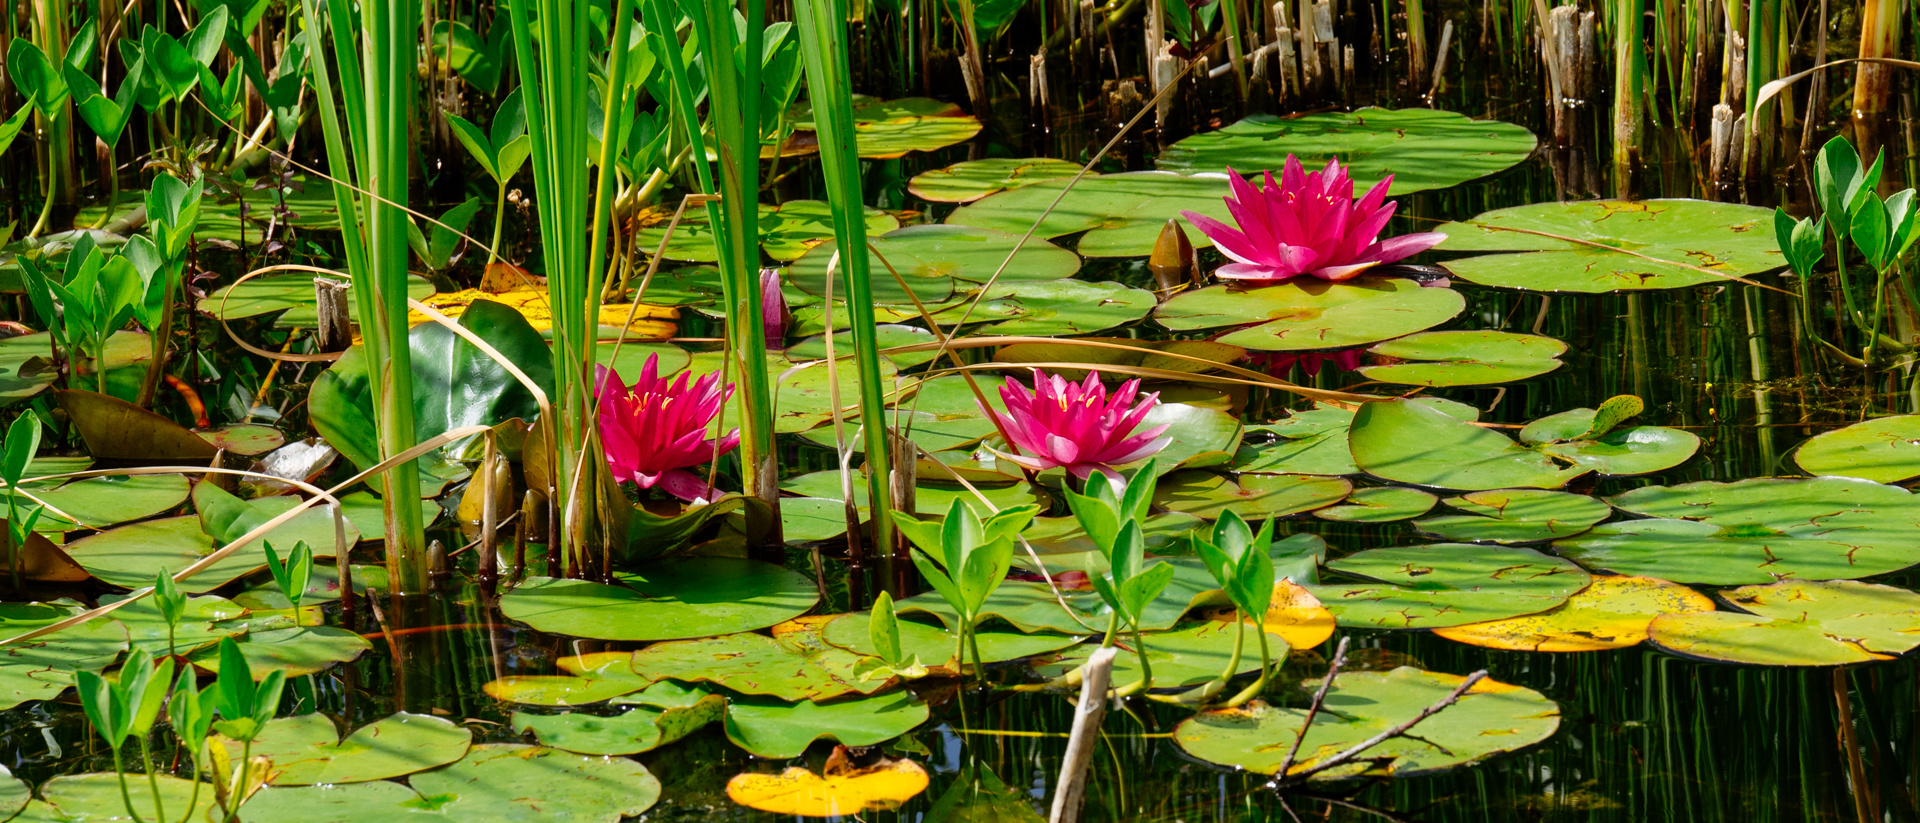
687 486
1230 242
1394 249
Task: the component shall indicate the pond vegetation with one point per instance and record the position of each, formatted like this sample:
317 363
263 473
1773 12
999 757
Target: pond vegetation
959 410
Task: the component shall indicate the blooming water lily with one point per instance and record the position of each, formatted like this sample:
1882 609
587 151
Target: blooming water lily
1307 224
657 430
1077 427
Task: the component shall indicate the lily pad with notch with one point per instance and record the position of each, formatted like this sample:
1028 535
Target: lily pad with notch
771 728
306 749
1182 657
1596 246
1421 445
1302 316
637 729
1883 450
1594 439
1422 148
1464 358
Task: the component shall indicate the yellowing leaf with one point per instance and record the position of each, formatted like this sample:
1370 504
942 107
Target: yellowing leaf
1612 613
649 322
1297 615
800 792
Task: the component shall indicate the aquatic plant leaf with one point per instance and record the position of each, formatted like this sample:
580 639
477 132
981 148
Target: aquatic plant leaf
1185 656
26 365
290 294
99 502
1207 494
1313 441
1884 450
246 439
1446 584
1627 245
1491 718
1028 605
644 322
1297 617
1302 316
977 795
971 180
130 555
1515 516
893 128
115 429
1464 358
803 398
668 600
1057 308
787 231
1049 536
1379 504
802 793
887 336
510 783
96 798
594 678
934 253
936 647
1614 452
208 618
1755 531
295 650
1613 613
1798 623
638 729
41 669
766 727
937 414
1121 214
377 802
783 667
14 793
1417 444
1422 148
1066 352
306 749
340 406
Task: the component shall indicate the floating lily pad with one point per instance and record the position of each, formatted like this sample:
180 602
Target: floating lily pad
1298 617
306 749
1381 504
1516 516
802 793
1613 613
42 668
26 365
96 798
1446 584
782 667
1755 531
290 294
637 729
936 647
936 255
1491 718
887 336
1201 436
1884 450
1122 214
297 651
594 678
1798 623
929 499
511 783
100 502
1141 353
670 600
1627 245
787 231
1058 308
770 728
971 180
207 619
1571 436
1164 534
14 793
1206 494
1301 316
131 555
803 398
1418 444
1307 442
893 128
1464 358
1422 148
1186 656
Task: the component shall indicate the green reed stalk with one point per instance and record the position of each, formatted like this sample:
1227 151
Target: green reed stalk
823 48
1629 80
1763 57
1236 50
371 157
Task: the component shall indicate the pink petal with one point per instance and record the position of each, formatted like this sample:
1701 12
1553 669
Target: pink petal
1394 249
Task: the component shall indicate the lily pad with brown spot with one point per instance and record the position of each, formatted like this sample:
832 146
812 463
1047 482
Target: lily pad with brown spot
1207 494
971 180
591 678
1596 246
1380 504
1446 584
1798 623
306 749
1613 613
792 665
1515 516
1884 450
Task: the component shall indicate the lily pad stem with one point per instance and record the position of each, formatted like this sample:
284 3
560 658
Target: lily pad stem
153 780
126 797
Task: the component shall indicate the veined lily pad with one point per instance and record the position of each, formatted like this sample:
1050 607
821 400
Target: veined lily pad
1884 450
1297 616
130 555
928 498
1063 535
96 798
1413 443
14 793
935 646
1464 358
26 365
770 728
1185 656
306 749
971 180
247 439
1122 214
1307 442
1446 584
792 665
1755 531
290 294
670 600
594 678
1491 718
41 669
296 650
1422 148
1799 623
1587 438
1516 516
1201 436
1626 245
1381 504
935 252
1613 613
100 502
495 783
638 729
802 793
1206 494
893 128
1057 308
1301 316
887 336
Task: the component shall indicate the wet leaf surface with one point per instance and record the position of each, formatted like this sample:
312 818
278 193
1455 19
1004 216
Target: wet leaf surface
802 793
307 749
1446 584
1613 613
1464 358
1626 245
1304 316
767 727
1422 148
1798 623
1515 516
668 600
1884 450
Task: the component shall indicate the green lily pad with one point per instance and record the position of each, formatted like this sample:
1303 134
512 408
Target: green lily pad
306 749
132 554
1253 496
1300 316
1057 308
592 678
787 231
1122 214
783 667
770 728
936 414
292 295
296 650
929 499
246 439
26 367
637 729
208 618
100 502
1614 452
1139 353
14 793
1755 531
811 519
1516 516
1422 148
42 668
1628 245
1491 718
670 600
1884 450
1307 442
96 798
887 336
1186 656
512 783
1465 358
937 648
1380 504
1446 584
971 180
377 802
1798 623
893 128
1420 445
1201 436
936 255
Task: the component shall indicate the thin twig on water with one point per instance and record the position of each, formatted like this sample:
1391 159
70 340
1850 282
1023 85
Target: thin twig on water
1282 779
1313 709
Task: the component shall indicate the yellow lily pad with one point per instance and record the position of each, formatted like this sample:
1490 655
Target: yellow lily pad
649 322
802 793
1295 614
1612 613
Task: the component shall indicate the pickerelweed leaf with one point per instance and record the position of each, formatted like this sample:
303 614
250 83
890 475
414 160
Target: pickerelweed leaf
1516 516
1491 718
1464 358
1754 531
1422 148
1304 316
1884 450
1621 245
668 600
1798 623
1446 584
1613 613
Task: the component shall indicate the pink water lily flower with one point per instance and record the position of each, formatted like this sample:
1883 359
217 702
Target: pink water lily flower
656 431
1077 427
773 308
1307 224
